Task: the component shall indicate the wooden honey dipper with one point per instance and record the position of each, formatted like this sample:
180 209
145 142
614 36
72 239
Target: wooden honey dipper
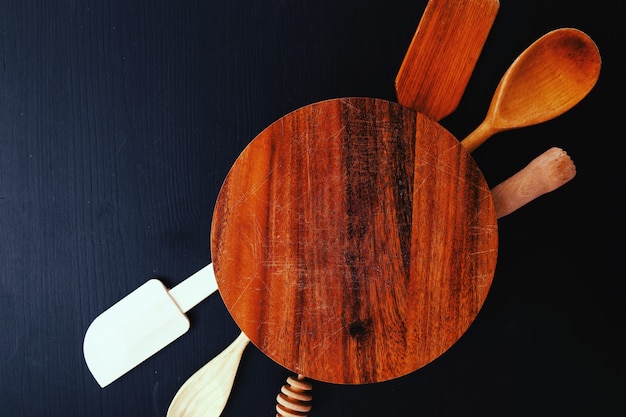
295 397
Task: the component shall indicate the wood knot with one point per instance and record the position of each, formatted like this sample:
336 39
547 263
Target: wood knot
360 328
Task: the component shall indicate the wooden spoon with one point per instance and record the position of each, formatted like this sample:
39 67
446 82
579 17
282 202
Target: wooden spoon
547 79
206 392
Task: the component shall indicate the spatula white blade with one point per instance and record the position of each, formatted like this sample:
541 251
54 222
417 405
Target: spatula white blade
141 324
132 330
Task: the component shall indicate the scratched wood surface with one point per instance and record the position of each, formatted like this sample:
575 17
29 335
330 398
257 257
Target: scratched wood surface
354 240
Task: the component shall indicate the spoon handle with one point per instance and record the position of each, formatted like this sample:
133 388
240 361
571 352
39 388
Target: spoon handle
206 392
483 132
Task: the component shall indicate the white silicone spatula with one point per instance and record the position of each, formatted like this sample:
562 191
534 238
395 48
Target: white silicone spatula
141 324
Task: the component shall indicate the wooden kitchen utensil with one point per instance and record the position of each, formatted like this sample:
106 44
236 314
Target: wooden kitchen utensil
295 397
354 229
544 174
443 53
550 77
206 392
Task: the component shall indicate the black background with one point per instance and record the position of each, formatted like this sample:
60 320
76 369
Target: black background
120 119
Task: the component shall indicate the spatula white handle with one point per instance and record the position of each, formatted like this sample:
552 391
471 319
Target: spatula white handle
194 289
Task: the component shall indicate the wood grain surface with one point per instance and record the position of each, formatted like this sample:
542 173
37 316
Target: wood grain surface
119 121
442 54
354 240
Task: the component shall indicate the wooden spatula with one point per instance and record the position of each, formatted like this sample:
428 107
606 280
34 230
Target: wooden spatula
443 54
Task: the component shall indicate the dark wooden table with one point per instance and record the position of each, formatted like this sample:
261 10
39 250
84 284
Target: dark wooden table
120 119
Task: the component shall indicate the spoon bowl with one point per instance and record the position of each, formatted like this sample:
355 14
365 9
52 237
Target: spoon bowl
550 77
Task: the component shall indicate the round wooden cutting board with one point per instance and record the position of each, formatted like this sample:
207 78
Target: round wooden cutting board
354 240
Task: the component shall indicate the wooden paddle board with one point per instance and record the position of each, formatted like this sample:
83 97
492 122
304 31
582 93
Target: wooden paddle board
354 240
